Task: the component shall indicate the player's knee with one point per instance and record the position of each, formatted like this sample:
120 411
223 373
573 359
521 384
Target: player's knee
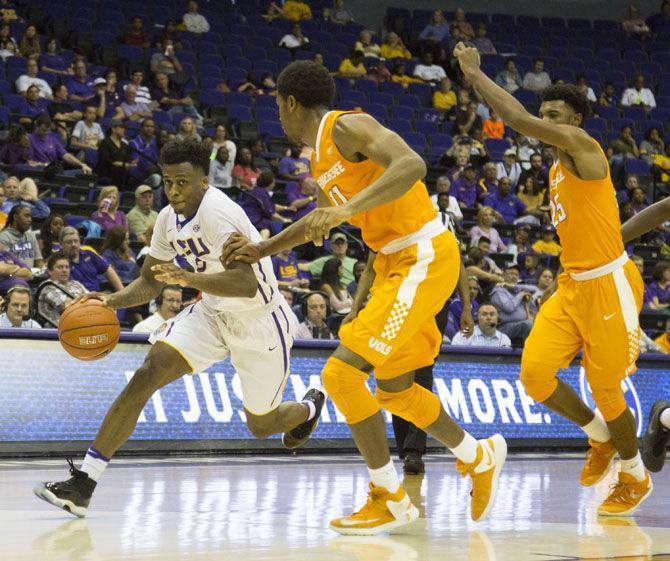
346 387
415 404
538 379
610 402
261 427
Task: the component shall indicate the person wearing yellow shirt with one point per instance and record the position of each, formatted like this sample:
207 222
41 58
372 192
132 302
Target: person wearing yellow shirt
353 68
295 10
547 244
399 75
393 47
444 99
663 340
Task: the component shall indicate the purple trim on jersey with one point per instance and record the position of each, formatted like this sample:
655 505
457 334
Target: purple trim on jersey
167 334
181 224
191 310
265 280
283 343
261 290
97 455
281 309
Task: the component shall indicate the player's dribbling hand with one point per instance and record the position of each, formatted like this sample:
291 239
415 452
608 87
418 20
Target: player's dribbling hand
94 296
468 57
169 273
321 221
467 323
239 248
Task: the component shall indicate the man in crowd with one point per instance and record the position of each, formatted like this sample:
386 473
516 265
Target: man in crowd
19 239
61 112
338 248
489 179
144 148
17 307
142 214
169 303
30 78
514 303
315 308
80 86
24 193
507 204
142 93
537 79
465 188
509 167
195 22
548 244
485 333
303 199
131 108
429 72
136 35
57 292
13 271
87 134
638 95
46 147
537 171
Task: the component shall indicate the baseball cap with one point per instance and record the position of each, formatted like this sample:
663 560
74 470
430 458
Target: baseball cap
548 228
142 189
337 236
99 81
510 152
117 123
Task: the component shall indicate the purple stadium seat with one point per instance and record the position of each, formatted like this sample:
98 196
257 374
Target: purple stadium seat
441 140
423 92
377 110
367 86
429 128
240 113
430 115
635 113
381 97
608 112
595 124
637 167
393 88
231 51
526 97
496 147
409 101
162 118
270 128
267 114
402 112
644 126
211 70
212 97
352 96
617 124
553 22
264 66
606 25
235 75
4 117
401 126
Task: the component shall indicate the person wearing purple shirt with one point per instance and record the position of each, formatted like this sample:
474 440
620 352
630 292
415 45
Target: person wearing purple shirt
46 147
258 206
145 149
465 189
302 197
80 86
505 203
659 290
293 167
13 272
32 106
108 214
287 271
435 36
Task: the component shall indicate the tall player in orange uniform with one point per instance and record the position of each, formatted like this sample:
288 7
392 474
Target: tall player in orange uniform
369 177
599 295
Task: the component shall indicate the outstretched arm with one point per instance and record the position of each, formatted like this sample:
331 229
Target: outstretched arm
651 217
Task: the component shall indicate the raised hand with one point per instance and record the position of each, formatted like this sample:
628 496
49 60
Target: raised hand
468 58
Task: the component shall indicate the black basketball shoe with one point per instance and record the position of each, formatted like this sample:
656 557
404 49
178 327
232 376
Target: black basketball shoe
297 436
413 464
72 495
655 440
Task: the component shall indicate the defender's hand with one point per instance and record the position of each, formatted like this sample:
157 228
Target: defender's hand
468 58
321 220
169 273
467 323
239 248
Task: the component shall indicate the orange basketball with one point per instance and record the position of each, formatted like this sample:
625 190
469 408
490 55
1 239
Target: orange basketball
89 331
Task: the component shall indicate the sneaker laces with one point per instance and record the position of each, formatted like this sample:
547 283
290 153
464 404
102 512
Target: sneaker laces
374 494
74 472
620 492
465 469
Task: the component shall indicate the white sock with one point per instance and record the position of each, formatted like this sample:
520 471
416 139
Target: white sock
94 464
386 476
634 467
312 409
466 451
665 418
597 429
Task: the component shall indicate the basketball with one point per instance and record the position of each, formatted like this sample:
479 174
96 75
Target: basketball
88 331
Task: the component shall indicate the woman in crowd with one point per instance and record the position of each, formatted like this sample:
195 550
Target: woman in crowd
532 195
8 46
340 299
50 234
365 44
108 214
485 217
245 172
53 61
116 249
30 42
659 290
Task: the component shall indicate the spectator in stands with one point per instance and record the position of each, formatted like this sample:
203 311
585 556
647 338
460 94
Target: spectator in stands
537 79
258 206
165 60
295 41
294 10
173 99
8 46
585 89
509 167
353 68
638 201
377 71
108 214
340 14
61 112
50 234
317 309
30 78
53 61
293 167
287 272
393 47
24 193
529 267
476 265
663 340
489 179
250 85
547 243
132 109
638 95
244 171
221 139
482 42
435 37
338 248
493 127
662 164
514 303
485 333
607 96
448 211
169 303
115 157
116 250
533 196
33 106
508 207
359 267
221 169
195 22
18 238
3 215
57 292
526 146
467 121
85 263
460 29
17 308
303 199
455 308
545 284
142 93
11 188
652 145
465 187
30 42
537 171
144 148
142 214
136 35
521 241
46 147
365 44
168 33
13 271
187 130
620 150
660 23
484 227
87 134
400 75
331 283
509 79
444 99
257 148
634 25
429 72
80 86
659 290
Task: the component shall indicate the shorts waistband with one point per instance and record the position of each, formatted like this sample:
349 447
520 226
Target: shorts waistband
428 230
602 270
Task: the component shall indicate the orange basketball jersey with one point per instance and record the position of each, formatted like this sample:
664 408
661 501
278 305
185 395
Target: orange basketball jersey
586 217
341 179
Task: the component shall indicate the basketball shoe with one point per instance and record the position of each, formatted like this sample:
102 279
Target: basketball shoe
72 495
655 440
384 511
598 461
626 495
297 436
484 471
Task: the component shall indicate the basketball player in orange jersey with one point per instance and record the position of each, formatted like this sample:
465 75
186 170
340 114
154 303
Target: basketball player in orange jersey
599 296
369 177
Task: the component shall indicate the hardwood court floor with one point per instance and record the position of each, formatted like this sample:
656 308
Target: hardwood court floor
278 508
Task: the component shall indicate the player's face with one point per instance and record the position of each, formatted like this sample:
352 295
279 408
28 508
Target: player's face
289 118
557 112
184 187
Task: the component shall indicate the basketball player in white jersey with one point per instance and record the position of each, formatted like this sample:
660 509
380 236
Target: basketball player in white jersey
241 314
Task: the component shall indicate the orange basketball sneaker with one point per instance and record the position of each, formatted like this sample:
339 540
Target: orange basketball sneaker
598 461
383 512
484 471
626 495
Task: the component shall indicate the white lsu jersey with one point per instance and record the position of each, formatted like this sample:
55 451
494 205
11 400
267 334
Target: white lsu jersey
199 240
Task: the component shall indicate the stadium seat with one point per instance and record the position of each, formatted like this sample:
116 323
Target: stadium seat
402 112
401 126
270 129
638 167
239 113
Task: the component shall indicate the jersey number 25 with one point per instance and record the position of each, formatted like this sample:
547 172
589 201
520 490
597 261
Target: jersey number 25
558 213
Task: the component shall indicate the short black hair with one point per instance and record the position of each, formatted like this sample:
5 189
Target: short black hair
265 179
483 239
54 258
189 151
310 83
569 94
43 120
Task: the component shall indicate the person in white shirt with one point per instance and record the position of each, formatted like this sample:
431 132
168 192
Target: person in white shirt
87 133
485 332
315 308
169 303
221 169
294 40
142 93
17 309
453 209
638 95
193 21
537 79
509 167
30 78
428 71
